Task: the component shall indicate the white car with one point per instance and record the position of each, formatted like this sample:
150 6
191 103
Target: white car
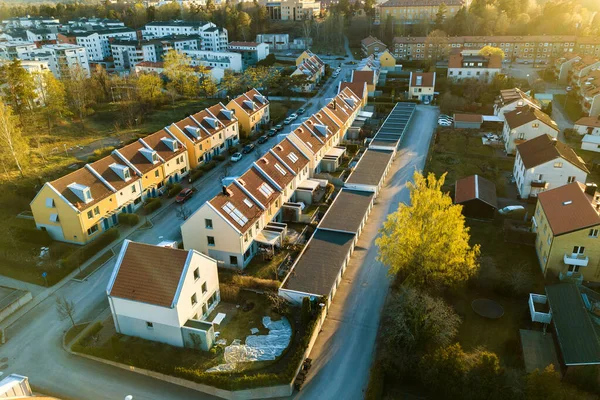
287 121
444 116
236 157
293 116
509 209
444 123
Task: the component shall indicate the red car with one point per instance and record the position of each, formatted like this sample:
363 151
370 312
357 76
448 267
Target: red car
184 195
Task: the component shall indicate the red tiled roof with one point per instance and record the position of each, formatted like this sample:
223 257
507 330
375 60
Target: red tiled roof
102 166
244 204
475 187
157 144
82 176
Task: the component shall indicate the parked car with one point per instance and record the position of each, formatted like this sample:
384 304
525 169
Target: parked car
509 209
271 133
289 54
184 195
293 116
335 74
236 157
426 101
444 116
444 123
287 121
264 138
569 88
248 148
278 127
301 110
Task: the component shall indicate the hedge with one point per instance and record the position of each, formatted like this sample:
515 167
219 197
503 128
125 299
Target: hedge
208 166
174 190
152 205
32 235
219 157
251 282
129 219
82 254
196 174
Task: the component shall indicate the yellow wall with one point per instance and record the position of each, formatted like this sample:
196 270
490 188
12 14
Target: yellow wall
150 177
301 58
194 150
387 60
247 122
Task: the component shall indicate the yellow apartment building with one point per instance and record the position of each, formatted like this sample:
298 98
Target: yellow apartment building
251 110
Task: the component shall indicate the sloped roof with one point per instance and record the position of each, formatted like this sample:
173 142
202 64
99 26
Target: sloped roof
102 166
568 208
543 149
155 141
251 95
244 204
475 187
358 88
149 274
468 118
427 79
364 76
523 115
84 177
132 153
370 40
589 121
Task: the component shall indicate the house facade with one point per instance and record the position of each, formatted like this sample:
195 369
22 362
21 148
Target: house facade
291 10
466 66
544 163
372 45
421 86
414 11
252 111
525 123
511 99
566 222
313 68
252 52
164 294
387 60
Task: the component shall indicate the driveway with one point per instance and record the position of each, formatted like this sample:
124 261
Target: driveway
344 351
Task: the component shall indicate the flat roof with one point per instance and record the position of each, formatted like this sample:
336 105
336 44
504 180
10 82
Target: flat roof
394 126
318 267
347 211
370 167
575 331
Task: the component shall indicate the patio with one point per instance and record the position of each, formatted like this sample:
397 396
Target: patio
538 350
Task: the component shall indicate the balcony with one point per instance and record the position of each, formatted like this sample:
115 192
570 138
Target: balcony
579 260
539 308
536 183
571 277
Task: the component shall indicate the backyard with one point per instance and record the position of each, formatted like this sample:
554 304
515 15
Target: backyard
570 105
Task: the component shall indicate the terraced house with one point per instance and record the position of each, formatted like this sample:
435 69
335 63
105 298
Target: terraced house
510 99
207 133
588 93
252 110
312 67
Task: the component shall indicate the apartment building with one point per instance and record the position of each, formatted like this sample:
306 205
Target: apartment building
62 58
252 52
372 45
563 65
466 66
97 43
41 36
11 50
421 86
292 10
567 223
544 163
213 38
312 67
94 23
251 110
216 59
581 68
414 11
28 22
525 123
207 133
128 53
164 294
275 41
511 99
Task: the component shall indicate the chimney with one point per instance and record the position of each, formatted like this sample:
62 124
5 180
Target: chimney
554 141
225 191
334 104
590 188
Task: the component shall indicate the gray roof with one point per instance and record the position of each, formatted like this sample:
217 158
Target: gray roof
370 167
575 331
347 211
316 271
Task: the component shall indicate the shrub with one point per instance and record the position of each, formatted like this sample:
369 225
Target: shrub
81 344
208 166
352 148
229 293
196 174
250 282
152 205
84 253
219 157
234 149
32 235
174 190
100 153
129 219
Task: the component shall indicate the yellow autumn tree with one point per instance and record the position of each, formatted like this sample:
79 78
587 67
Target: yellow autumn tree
428 240
491 50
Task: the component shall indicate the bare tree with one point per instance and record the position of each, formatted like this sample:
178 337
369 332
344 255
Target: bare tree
12 145
183 212
65 309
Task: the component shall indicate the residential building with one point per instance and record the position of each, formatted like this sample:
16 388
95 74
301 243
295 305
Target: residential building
414 11
587 89
368 77
563 65
292 10
16 387
421 86
372 45
567 223
28 22
128 53
213 38
358 88
41 36
525 123
97 43
510 99
387 61
590 143
95 23
544 163
588 126
22 50
146 164
275 41
465 66
207 133
313 68
252 52
581 68
217 59
149 67
252 111
62 58
164 294
477 195
171 152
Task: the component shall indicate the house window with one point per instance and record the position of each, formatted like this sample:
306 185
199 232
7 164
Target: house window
96 210
93 229
194 299
204 288
573 268
558 165
90 214
594 233
535 125
570 179
156 173
133 189
211 240
196 274
149 325
233 260
208 223
50 202
578 249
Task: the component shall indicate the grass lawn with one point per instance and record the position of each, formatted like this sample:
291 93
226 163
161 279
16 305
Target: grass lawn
74 331
265 269
107 255
280 109
572 106
460 153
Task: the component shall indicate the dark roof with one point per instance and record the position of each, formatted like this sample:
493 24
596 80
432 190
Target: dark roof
370 167
475 187
543 148
149 274
575 331
320 263
347 211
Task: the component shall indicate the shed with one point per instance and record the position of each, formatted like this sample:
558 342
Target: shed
468 121
477 195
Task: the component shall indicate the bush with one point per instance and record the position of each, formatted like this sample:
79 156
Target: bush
152 205
32 235
100 153
81 344
129 219
84 253
250 282
232 150
208 166
196 174
219 157
229 293
174 190
352 148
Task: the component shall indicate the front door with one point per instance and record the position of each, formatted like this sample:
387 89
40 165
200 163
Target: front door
115 219
105 224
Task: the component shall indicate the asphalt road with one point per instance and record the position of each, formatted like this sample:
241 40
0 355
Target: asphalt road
344 351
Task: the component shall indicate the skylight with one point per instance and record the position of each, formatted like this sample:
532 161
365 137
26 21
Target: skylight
293 157
248 203
280 169
266 190
235 214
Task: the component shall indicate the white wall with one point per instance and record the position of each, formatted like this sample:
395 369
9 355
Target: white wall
525 132
590 146
583 130
553 176
478 73
127 194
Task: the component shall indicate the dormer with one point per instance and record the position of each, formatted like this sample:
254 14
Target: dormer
150 155
121 170
260 98
170 143
212 122
193 130
83 192
350 102
249 104
322 129
227 113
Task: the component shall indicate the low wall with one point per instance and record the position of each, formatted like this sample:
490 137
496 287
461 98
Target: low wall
16 300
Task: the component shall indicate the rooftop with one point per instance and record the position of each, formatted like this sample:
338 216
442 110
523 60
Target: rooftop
371 167
347 211
544 148
427 79
475 187
593 122
524 115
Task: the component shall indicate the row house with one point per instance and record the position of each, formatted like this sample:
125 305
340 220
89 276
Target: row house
588 93
252 111
421 86
563 65
79 206
207 133
368 77
511 99
312 67
525 123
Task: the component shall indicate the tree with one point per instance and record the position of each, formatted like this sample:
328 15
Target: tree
180 73
78 92
243 22
207 86
502 24
17 87
369 8
149 89
65 309
492 51
428 240
53 97
183 212
547 385
414 323
232 83
12 145
440 16
436 46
